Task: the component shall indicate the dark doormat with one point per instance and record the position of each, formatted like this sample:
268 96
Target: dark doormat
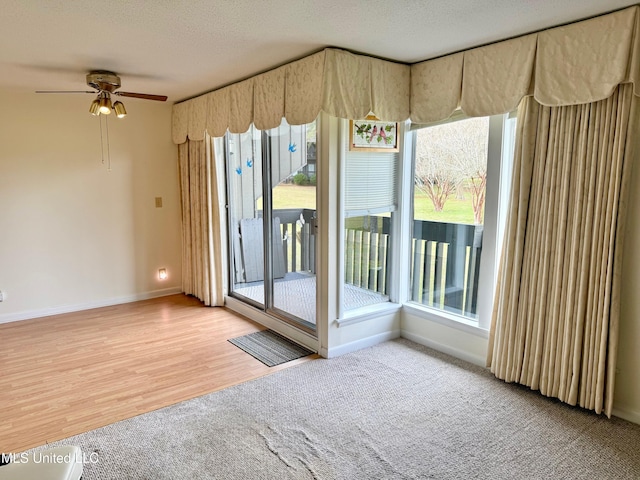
270 347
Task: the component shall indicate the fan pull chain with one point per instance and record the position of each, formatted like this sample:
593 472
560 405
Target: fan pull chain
106 122
101 142
102 137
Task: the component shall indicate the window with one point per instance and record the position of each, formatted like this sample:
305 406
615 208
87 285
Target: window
370 203
457 192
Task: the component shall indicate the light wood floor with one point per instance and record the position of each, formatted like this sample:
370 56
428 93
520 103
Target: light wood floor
71 373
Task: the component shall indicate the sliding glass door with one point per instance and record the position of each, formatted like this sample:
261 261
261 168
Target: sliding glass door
244 176
272 209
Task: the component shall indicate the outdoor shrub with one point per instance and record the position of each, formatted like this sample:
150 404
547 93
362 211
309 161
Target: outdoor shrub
312 179
300 179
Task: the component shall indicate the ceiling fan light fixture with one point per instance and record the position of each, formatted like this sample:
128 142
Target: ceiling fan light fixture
121 112
105 103
95 107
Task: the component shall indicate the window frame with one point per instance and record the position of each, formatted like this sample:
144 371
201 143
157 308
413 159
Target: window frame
348 317
497 189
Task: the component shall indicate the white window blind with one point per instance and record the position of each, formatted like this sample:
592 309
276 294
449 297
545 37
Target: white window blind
370 182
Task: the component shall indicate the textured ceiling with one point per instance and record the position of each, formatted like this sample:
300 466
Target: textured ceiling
184 48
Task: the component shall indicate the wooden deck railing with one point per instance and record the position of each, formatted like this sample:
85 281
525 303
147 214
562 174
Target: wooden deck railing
445 260
445 257
367 253
445 265
298 238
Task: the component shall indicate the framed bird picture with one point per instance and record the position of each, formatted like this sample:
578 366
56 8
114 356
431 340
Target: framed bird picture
373 136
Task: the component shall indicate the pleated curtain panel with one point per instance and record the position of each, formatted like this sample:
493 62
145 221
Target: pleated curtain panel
555 319
202 230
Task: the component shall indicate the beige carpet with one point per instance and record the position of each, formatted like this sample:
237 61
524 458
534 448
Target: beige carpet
394 411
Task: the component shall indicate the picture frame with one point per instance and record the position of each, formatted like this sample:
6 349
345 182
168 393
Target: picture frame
365 136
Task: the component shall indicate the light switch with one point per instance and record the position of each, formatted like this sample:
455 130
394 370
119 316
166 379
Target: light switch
158 202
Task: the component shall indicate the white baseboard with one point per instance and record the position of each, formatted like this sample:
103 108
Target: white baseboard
47 312
359 344
454 352
622 411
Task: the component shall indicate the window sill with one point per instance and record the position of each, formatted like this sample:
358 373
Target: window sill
447 319
367 313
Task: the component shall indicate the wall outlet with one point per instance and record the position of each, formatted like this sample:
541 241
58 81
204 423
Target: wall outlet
158 202
2 296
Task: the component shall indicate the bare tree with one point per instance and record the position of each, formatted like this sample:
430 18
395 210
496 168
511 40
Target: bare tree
478 185
433 174
453 156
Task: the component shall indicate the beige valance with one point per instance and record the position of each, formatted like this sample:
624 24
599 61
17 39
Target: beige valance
435 88
579 63
574 64
338 82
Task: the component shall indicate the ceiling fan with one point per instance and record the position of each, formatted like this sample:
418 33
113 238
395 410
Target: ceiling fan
106 84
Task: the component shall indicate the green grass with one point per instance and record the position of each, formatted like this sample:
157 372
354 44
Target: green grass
293 196
455 210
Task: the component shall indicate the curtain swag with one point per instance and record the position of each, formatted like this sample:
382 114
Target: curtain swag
573 64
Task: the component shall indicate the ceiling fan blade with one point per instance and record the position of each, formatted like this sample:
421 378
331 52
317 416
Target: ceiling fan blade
145 96
65 91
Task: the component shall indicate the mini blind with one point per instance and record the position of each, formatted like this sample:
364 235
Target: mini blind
370 182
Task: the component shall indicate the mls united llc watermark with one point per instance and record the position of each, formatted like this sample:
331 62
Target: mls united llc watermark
49 457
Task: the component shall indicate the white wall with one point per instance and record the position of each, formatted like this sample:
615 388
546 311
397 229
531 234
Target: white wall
460 343
378 327
74 235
